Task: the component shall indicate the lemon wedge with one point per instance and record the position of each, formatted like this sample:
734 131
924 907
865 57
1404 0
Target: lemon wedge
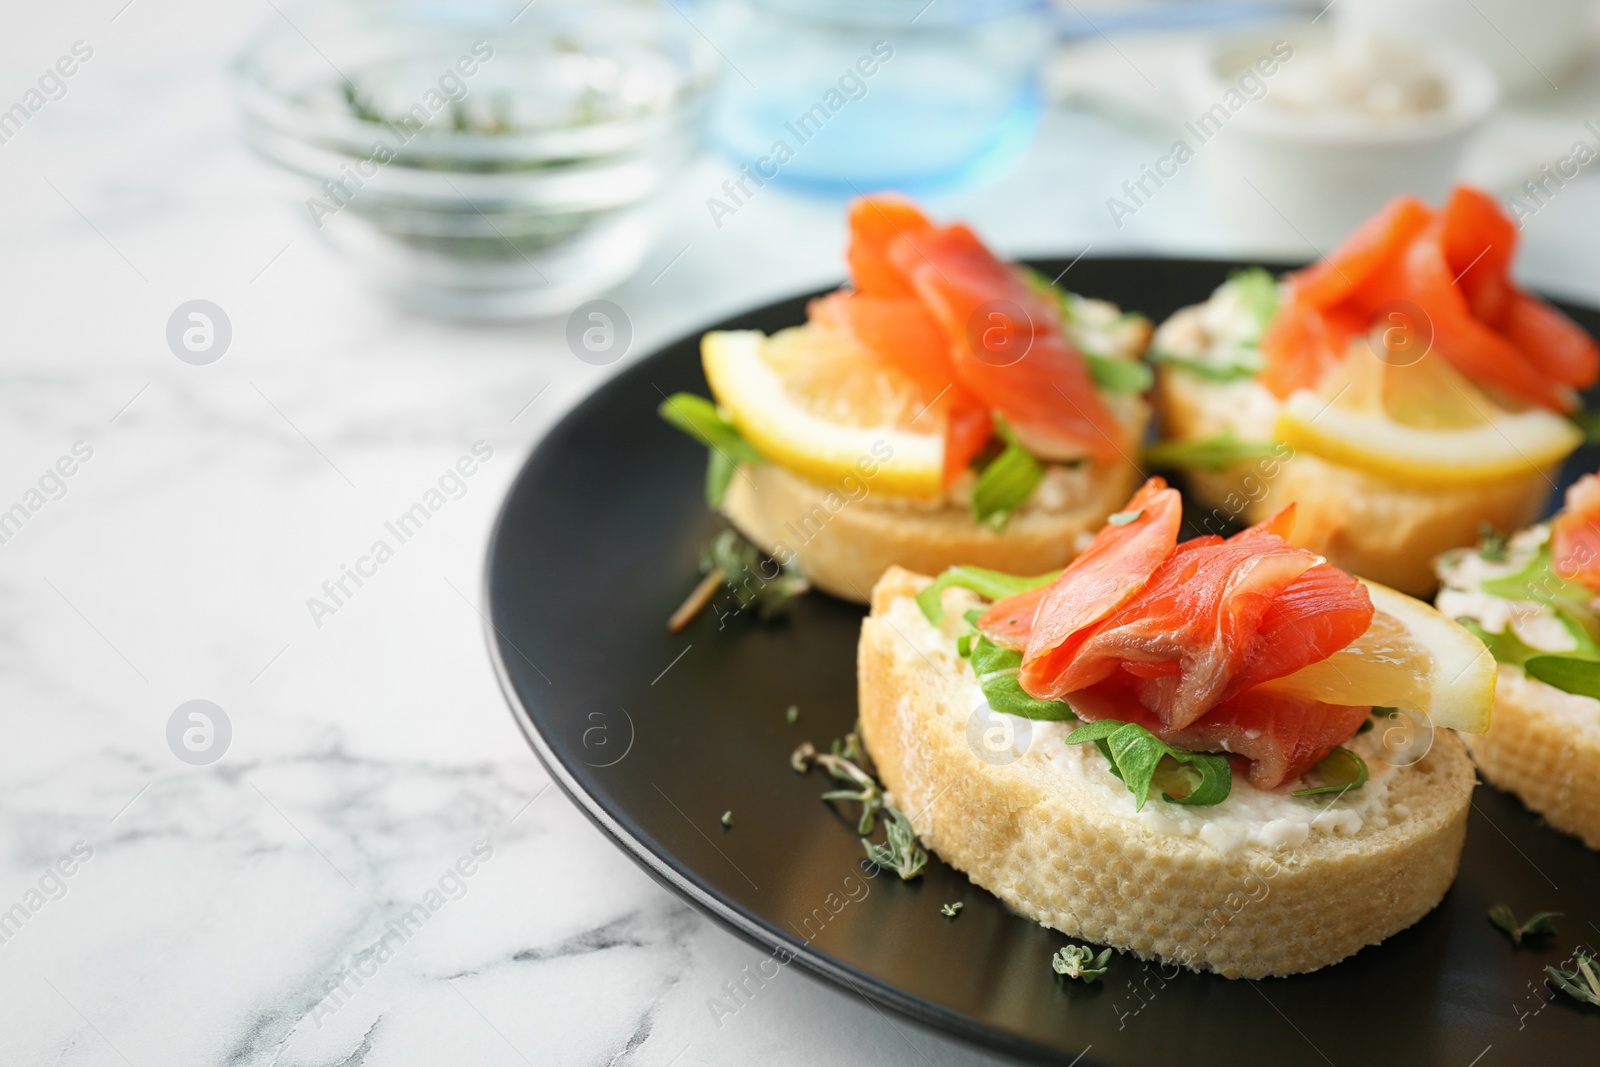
1412 658
812 402
1510 443
1424 423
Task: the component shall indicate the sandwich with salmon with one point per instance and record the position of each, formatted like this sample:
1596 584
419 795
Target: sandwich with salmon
1532 599
946 407
1226 754
1404 392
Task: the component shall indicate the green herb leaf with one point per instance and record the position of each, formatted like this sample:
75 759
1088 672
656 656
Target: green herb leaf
1122 518
792 714
1589 423
996 669
1492 544
1340 771
727 820
900 853
1008 480
1582 982
1538 582
1258 289
719 475
1567 673
950 911
1505 646
1540 923
1210 453
991 585
745 569
1110 373
1141 759
1080 962
1243 363
704 421
1113 375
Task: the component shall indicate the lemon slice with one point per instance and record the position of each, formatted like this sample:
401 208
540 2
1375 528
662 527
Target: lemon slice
1510 443
811 401
1412 658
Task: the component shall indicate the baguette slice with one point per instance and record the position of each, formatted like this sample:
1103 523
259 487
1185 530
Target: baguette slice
844 545
1065 847
1544 745
1381 529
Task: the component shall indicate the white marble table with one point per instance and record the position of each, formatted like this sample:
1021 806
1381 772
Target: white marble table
226 914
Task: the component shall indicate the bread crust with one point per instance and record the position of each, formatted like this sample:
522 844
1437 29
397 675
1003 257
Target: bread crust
1542 756
1056 854
1381 529
844 549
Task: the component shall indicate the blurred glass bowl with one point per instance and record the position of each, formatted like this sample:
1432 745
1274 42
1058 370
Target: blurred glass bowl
848 95
480 160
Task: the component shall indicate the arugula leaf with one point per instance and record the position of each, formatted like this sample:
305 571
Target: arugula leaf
1538 581
1258 289
1114 375
996 669
704 421
991 585
1209 453
1340 770
1008 480
1110 374
1589 423
1245 363
1505 647
1141 759
1568 673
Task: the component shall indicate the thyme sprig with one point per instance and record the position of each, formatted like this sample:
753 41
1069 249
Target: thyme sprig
1539 924
1582 982
1079 962
846 762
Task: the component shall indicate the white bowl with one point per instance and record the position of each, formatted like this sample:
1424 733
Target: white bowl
1288 178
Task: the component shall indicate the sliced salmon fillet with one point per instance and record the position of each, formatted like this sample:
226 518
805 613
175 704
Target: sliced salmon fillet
1575 534
1106 574
1047 395
1454 265
875 222
1280 737
1556 345
1479 243
1373 243
1323 609
1197 618
1178 637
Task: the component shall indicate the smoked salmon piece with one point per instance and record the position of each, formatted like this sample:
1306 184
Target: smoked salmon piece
1575 534
916 290
1045 391
1106 574
1280 737
1178 637
1454 266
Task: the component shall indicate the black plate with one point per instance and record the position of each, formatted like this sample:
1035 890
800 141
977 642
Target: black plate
656 735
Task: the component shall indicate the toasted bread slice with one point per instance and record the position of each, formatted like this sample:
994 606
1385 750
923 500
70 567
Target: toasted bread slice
1263 884
1544 746
1385 530
843 545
